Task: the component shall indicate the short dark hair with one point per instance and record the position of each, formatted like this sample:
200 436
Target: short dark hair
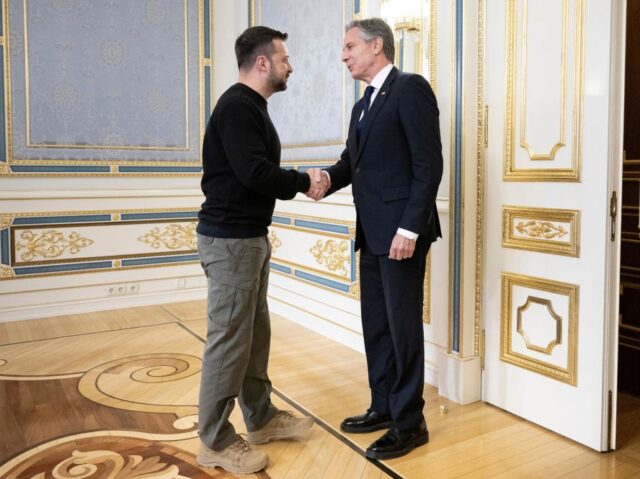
256 41
371 28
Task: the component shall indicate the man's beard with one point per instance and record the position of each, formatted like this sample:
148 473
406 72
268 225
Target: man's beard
277 84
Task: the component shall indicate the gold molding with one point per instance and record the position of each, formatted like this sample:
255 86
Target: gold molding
6 272
309 161
411 25
481 141
426 305
49 244
4 166
510 171
174 236
114 164
274 241
566 374
540 225
308 269
433 51
541 229
32 214
555 316
304 229
336 256
354 288
563 89
105 147
125 223
319 219
5 221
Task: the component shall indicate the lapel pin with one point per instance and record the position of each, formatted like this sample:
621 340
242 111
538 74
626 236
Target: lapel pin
383 92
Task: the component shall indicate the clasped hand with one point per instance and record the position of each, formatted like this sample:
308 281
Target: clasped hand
319 184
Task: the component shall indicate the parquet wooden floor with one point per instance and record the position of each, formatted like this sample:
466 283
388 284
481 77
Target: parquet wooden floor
114 394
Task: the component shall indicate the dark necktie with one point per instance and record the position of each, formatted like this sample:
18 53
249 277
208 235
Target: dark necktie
365 108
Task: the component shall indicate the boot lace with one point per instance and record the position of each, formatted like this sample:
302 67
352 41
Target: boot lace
241 444
285 416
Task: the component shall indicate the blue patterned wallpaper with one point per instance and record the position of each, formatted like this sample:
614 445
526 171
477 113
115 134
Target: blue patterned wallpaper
311 111
107 86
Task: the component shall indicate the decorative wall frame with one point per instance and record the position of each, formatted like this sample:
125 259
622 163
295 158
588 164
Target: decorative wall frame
554 351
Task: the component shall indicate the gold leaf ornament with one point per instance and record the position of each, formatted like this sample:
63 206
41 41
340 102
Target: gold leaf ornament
173 236
541 229
332 254
50 244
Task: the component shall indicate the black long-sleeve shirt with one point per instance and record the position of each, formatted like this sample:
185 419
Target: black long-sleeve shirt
241 173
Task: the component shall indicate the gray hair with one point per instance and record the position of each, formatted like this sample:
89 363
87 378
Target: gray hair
371 28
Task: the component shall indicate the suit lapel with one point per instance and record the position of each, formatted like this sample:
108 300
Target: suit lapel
353 137
380 99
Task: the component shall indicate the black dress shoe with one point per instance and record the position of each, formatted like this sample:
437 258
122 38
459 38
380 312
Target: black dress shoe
368 422
396 443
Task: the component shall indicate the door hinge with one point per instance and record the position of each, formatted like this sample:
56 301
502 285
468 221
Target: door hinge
613 213
609 419
482 349
486 126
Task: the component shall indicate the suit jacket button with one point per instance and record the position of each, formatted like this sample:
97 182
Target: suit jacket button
358 170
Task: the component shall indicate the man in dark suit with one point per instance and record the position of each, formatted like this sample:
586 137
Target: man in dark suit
393 161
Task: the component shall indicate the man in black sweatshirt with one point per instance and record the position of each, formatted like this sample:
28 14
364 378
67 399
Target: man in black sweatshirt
241 181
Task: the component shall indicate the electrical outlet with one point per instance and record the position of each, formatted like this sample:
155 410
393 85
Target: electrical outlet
123 289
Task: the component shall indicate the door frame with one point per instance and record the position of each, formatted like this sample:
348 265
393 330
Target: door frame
616 147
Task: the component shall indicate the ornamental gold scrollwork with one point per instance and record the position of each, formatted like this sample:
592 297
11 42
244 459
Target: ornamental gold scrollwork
275 241
50 244
332 254
85 464
5 221
173 236
6 272
4 168
541 229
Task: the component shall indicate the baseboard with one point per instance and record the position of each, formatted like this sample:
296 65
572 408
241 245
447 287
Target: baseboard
333 328
100 297
460 379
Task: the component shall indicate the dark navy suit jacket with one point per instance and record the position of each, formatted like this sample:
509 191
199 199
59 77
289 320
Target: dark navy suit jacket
396 165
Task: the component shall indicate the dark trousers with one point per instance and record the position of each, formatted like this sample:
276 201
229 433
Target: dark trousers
392 295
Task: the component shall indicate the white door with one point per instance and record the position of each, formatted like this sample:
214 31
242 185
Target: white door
546 306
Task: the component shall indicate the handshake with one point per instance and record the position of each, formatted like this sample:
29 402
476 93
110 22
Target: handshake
319 183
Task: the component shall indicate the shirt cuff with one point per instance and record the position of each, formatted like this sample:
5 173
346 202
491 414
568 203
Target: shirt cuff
408 234
328 175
